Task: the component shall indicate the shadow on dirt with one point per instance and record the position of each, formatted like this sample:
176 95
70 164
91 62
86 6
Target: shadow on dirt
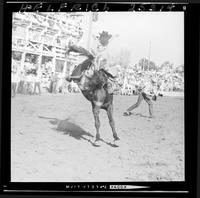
73 130
136 114
70 129
139 114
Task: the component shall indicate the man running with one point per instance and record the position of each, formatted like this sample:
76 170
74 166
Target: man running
148 93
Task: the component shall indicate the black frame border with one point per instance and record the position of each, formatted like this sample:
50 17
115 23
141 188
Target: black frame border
178 189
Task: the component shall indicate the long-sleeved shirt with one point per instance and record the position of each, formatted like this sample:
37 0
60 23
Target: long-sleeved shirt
148 88
15 77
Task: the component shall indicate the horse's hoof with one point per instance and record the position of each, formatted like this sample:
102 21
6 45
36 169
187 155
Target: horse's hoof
116 142
116 138
97 143
151 116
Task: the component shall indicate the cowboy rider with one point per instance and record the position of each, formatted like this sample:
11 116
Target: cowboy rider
90 65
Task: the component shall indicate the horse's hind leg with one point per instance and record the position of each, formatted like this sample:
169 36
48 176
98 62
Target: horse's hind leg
96 110
111 121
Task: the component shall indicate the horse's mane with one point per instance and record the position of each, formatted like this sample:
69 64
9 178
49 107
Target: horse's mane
98 80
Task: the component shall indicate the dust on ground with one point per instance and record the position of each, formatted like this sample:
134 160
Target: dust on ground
52 136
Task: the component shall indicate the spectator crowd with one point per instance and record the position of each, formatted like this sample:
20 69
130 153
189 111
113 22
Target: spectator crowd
36 80
130 80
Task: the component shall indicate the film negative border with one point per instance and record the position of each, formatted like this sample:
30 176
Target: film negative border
144 187
24 6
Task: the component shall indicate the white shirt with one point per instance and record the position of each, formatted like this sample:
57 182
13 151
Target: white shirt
148 88
30 78
15 77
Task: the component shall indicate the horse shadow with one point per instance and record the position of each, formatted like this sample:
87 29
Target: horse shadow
73 130
140 115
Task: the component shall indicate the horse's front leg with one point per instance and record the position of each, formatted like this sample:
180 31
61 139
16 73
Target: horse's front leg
96 110
111 121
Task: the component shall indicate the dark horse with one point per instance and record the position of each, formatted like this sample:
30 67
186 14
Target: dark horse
95 89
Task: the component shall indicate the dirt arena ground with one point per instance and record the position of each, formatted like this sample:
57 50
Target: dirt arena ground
52 135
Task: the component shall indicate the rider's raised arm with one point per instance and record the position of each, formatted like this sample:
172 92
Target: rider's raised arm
80 50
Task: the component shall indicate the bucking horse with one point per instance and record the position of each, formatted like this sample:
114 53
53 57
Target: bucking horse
95 88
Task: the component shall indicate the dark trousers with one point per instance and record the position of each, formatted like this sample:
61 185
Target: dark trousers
20 88
37 85
54 87
143 96
13 89
85 64
28 88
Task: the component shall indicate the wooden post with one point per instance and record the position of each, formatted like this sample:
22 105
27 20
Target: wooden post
149 55
65 67
39 61
90 32
54 64
22 61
